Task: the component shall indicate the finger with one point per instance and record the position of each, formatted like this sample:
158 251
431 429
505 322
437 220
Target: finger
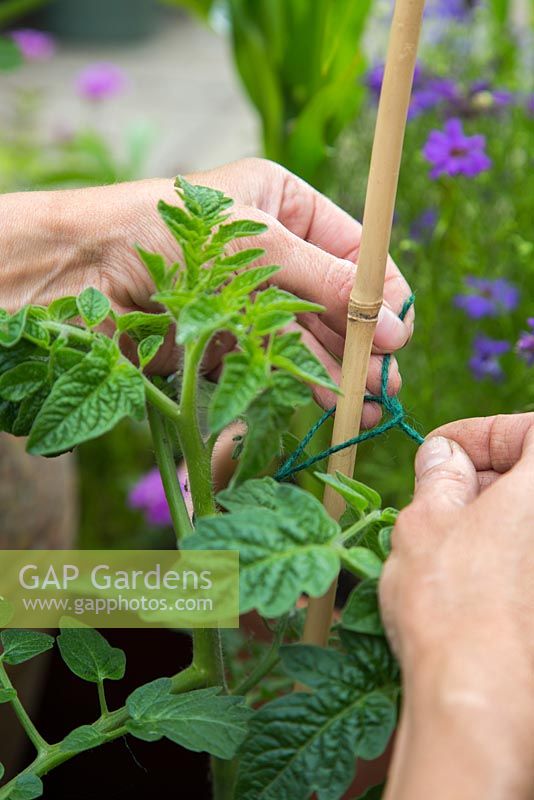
513 491
487 478
336 343
313 217
445 476
313 274
493 443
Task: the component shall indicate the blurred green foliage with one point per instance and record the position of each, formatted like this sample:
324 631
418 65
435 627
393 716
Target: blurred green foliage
299 62
13 10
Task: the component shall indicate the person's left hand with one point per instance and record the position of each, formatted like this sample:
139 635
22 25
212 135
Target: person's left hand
315 241
89 236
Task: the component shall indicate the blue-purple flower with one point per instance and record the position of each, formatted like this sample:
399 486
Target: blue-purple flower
487 298
429 91
451 9
525 344
453 153
34 45
148 496
484 362
423 226
100 81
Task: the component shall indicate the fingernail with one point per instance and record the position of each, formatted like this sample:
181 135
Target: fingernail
435 451
391 332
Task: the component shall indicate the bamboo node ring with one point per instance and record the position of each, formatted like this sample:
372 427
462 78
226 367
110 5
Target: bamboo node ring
363 312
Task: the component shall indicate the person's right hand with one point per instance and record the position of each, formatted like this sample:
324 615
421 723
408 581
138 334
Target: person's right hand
457 597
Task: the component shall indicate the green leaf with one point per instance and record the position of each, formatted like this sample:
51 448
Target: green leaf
311 743
8 415
242 258
202 720
34 331
89 656
373 658
88 401
374 501
201 317
155 264
361 613
241 380
10 55
384 540
7 695
362 561
12 327
63 309
247 281
266 419
291 354
93 306
353 498
140 325
285 543
304 743
27 787
271 321
238 229
83 738
277 299
21 645
28 411
23 380
23 351
202 201
2 771
148 349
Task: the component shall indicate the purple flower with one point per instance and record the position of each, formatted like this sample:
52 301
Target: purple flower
148 496
452 9
489 298
100 81
530 104
433 93
423 226
374 79
34 45
525 344
482 97
453 153
484 362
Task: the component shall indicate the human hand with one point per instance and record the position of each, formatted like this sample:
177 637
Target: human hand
314 241
457 597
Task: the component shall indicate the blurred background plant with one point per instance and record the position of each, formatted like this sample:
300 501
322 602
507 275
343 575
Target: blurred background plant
70 156
463 231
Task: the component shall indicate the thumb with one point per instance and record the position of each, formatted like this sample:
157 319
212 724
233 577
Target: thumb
445 475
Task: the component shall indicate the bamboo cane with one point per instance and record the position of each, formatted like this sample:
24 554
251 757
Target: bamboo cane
367 293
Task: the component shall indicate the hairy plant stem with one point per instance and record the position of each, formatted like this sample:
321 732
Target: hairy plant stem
196 452
31 731
161 438
266 664
111 725
104 710
207 645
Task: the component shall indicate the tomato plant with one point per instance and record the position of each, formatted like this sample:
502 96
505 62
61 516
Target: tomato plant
63 382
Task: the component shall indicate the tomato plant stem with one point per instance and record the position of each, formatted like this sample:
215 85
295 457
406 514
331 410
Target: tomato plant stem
162 440
31 731
111 725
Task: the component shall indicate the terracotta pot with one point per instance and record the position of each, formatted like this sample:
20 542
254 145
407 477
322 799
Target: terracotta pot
37 511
